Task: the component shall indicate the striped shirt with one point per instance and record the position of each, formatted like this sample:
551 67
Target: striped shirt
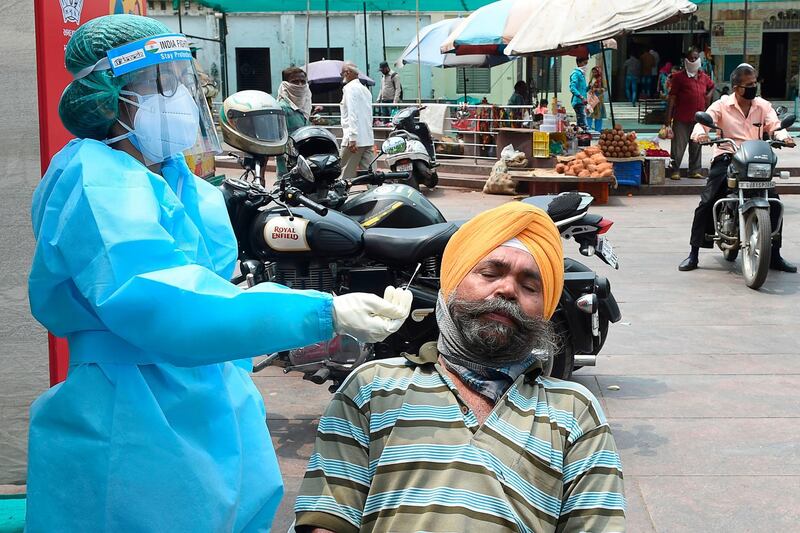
398 450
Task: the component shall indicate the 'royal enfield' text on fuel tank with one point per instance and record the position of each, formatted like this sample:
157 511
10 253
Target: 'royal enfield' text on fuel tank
742 219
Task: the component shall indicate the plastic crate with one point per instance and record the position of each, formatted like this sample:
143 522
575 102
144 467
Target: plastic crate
541 144
628 173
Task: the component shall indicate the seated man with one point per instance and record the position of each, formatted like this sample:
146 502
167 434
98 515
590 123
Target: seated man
468 435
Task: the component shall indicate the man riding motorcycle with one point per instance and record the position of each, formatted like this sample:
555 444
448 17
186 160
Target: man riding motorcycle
741 116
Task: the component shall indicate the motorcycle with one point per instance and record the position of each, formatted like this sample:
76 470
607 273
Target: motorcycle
413 150
297 244
742 218
285 237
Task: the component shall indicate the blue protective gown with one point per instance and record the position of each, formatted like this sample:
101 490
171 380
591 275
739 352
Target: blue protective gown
154 429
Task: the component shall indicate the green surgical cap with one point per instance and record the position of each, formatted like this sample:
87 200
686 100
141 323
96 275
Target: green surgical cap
89 106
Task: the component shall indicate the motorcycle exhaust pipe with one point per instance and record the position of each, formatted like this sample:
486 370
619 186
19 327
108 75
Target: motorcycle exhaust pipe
585 360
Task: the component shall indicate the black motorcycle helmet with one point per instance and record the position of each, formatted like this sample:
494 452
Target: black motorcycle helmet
325 167
314 140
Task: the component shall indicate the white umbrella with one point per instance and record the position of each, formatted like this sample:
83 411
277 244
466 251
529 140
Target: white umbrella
554 25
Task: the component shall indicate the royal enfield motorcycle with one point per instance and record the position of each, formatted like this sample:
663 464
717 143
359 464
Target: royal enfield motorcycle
286 237
742 218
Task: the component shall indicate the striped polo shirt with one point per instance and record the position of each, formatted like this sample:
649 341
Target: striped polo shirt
398 450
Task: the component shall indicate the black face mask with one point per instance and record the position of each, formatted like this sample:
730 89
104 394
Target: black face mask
749 93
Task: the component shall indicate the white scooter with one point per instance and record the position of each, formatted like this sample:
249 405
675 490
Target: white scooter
415 154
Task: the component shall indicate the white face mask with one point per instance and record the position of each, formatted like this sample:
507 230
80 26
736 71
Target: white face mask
692 67
584 69
163 125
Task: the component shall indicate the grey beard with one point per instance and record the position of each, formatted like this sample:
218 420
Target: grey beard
467 336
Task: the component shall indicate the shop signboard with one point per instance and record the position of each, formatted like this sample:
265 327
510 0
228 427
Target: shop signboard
727 37
55 22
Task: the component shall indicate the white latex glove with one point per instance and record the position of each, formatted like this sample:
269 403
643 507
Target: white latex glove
370 318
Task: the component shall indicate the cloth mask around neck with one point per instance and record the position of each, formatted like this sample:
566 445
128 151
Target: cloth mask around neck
298 96
692 67
163 125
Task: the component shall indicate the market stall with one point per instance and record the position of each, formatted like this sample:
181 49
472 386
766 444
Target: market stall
618 158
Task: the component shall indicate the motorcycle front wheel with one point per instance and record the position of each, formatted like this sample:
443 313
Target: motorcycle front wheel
756 253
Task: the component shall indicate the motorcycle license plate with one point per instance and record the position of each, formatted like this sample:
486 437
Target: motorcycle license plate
756 184
404 167
607 251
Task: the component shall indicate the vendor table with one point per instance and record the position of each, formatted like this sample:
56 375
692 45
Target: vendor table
548 181
522 140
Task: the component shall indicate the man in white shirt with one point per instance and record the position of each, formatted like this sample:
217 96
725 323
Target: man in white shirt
357 135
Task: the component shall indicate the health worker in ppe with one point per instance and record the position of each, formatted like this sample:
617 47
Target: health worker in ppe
154 428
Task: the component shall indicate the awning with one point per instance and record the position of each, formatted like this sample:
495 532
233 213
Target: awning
553 24
278 6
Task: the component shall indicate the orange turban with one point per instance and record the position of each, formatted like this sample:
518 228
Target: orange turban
480 236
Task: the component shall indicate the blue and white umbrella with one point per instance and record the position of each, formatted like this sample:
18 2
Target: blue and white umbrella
425 49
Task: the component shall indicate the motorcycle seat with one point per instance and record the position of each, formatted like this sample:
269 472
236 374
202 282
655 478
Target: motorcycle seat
407 135
407 245
559 207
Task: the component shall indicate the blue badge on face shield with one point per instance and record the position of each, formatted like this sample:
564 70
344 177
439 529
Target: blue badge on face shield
148 52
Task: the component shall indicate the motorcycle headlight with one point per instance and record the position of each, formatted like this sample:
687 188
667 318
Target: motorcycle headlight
761 171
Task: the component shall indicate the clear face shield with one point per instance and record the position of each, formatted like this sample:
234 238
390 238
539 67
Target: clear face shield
163 108
266 125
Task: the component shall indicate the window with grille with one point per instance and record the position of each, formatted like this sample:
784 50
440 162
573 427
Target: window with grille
474 80
318 54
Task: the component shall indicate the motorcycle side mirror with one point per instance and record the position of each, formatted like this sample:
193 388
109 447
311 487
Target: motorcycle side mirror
303 169
393 145
705 119
788 120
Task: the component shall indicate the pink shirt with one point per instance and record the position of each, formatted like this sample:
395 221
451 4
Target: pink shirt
729 116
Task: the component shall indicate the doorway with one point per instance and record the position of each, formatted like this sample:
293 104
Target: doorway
773 64
253 69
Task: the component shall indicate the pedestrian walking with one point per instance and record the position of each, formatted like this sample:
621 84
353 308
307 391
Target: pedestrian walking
663 80
391 91
294 97
356 111
647 65
690 91
598 90
579 87
633 69
654 72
